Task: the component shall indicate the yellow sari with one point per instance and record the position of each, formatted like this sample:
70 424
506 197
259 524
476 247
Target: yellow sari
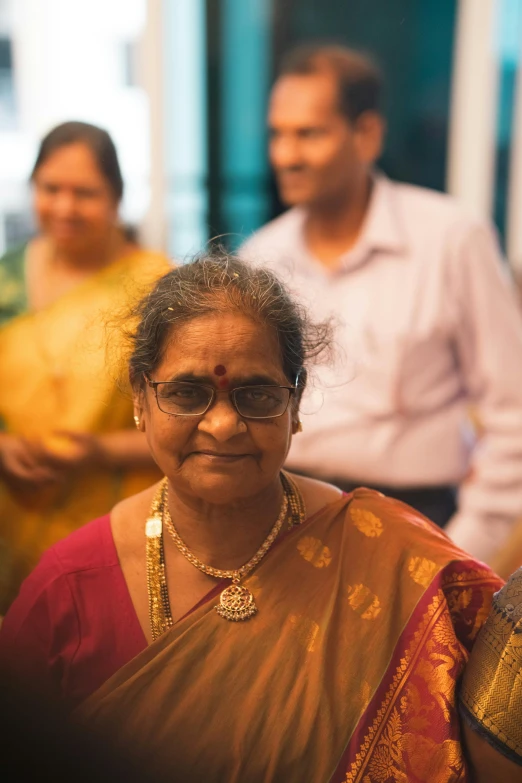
54 376
348 672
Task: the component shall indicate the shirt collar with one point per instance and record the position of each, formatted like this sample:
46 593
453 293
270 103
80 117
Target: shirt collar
382 229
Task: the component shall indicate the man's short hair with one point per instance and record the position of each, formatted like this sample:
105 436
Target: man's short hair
359 79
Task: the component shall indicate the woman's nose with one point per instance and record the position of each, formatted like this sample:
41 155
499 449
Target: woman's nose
222 421
64 204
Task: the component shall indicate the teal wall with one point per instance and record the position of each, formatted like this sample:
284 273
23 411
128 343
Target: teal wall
411 39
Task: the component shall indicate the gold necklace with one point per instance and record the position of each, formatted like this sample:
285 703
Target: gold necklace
295 501
159 605
236 601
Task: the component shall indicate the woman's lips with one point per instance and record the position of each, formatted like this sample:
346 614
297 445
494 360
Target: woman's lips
215 456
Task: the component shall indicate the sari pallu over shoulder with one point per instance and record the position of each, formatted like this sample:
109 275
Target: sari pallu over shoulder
347 673
13 293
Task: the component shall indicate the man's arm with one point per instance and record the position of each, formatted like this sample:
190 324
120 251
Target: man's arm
489 353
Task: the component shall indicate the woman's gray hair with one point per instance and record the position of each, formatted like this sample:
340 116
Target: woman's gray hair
219 283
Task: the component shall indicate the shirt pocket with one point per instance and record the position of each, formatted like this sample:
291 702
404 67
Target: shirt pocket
403 373
428 376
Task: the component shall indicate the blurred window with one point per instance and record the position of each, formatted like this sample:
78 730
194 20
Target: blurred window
70 60
185 126
7 93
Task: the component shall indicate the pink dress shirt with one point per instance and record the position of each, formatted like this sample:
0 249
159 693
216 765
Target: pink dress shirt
427 325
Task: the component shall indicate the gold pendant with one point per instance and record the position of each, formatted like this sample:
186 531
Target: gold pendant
236 603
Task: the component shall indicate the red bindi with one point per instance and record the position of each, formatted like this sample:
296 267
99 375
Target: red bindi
220 370
223 383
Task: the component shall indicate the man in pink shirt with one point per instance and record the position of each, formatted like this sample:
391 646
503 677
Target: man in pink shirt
428 326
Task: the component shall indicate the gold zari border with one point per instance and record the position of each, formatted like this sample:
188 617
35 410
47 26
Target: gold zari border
493 681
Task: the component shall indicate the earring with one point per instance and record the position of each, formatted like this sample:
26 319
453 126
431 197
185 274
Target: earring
137 422
299 427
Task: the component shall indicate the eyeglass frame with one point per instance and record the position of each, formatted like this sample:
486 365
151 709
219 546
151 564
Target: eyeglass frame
292 389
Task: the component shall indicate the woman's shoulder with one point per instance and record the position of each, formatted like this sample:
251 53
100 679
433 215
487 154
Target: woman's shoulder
374 507
401 531
147 262
378 516
13 295
316 494
90 546
46 586
154 256
13 256
405 521
139 267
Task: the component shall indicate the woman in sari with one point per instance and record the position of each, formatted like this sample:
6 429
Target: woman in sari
68 447
235 622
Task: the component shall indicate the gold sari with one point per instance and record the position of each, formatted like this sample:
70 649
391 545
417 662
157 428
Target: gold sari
54 376
348 672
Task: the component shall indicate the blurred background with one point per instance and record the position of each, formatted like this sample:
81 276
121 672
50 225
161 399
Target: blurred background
182 86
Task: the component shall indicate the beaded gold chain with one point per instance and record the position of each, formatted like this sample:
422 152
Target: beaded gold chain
159 605
236 601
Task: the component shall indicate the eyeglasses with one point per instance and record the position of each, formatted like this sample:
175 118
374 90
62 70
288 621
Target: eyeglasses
182 398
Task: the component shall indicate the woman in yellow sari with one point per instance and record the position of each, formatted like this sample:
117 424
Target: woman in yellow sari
235 622
67 449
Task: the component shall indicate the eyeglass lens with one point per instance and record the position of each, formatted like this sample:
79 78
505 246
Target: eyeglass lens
189 399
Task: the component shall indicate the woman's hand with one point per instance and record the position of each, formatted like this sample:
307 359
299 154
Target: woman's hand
30 464
23 461
71 451
33 470
120 450
25 468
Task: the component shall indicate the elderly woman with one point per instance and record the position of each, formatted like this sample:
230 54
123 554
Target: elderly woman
235 622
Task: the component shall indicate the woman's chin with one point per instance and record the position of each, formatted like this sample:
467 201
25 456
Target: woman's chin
71 242
221 487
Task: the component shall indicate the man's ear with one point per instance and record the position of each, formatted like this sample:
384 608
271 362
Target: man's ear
370 128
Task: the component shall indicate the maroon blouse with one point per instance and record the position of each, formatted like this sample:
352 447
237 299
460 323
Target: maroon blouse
73 624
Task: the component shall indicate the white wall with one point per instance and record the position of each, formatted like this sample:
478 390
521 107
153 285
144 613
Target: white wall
69 59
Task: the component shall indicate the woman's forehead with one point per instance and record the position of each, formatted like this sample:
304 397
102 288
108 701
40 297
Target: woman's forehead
230 343
74 162
218 365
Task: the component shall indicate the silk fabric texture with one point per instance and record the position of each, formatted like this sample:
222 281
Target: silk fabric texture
56 374
491 692
348 673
